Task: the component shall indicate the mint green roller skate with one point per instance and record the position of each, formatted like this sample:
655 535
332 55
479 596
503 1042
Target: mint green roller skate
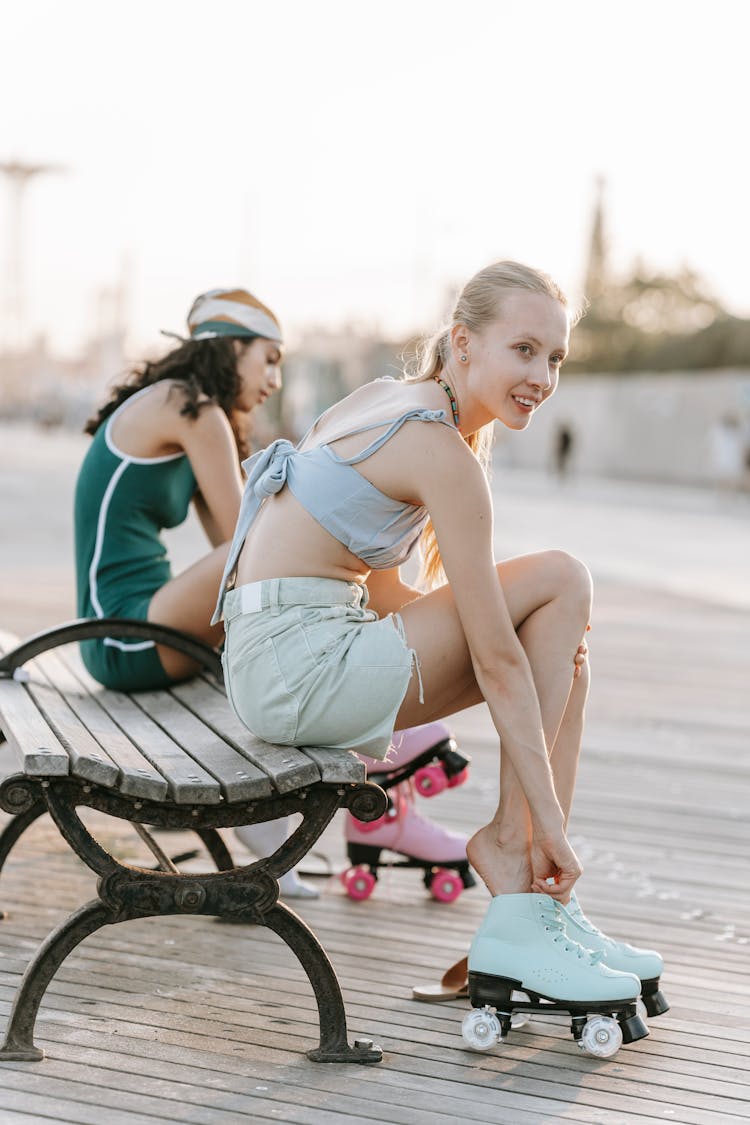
523 961
645 963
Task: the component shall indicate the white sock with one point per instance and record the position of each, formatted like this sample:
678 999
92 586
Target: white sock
266 838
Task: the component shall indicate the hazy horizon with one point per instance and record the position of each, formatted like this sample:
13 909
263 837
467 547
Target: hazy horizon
350 164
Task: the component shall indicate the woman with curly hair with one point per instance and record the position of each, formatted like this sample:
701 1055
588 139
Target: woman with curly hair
174 433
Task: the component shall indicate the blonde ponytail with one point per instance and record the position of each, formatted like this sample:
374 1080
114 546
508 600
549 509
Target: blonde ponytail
477 305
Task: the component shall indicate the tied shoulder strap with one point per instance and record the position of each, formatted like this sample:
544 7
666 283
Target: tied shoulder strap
266 475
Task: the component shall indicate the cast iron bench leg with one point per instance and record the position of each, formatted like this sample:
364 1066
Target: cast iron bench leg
334 1046
19 1038
14 829
216 848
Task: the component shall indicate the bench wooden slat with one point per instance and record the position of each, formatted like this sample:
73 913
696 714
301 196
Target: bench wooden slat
238 778
336 766
185 744
188 783
39 752
25 728
138 778
285 765
75 718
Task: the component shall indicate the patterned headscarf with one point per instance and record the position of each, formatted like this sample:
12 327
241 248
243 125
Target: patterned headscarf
230 312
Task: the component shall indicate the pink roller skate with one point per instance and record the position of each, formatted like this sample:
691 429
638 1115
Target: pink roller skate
423 760
427 753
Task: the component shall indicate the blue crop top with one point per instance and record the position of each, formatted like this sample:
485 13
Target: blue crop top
374 527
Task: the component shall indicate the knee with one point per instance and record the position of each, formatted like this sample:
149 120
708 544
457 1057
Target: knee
572 581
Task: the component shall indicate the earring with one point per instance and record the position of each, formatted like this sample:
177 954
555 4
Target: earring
464 358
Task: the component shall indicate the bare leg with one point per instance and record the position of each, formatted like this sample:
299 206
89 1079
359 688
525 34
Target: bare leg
510 828
567 748
549 598
187 602
562 718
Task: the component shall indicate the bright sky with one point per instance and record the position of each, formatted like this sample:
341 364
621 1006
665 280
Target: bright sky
350 161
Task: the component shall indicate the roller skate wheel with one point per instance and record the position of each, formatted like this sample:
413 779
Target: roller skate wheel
445 885
480 1029
367 825
458 778
640 1010
430 780
359 883
601 1037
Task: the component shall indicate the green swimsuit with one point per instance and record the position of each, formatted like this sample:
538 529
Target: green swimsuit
121 505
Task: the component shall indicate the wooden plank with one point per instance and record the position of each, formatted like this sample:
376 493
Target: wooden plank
187 782
38 750
371 1084
287 768
238 778
88 760
336 766
46 758
191 1107
30 1107
138 777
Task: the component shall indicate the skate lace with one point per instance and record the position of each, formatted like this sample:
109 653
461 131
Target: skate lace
576 913
554 922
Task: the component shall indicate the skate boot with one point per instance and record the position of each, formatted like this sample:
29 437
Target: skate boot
645 963
420 842
423 760
428 753
522 950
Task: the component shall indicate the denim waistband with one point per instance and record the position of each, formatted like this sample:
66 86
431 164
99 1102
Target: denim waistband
275 593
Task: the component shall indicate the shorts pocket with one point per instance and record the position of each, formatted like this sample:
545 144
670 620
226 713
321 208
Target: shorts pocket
322 630
259 695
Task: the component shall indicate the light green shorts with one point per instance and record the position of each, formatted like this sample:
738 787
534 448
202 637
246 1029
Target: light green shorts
307 664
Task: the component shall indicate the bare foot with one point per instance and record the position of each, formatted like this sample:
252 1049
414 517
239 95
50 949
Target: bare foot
504 869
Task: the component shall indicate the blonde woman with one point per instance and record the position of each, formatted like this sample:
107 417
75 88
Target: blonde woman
326 645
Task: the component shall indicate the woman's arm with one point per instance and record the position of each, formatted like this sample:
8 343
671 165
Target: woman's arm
445 475
209 444
207 522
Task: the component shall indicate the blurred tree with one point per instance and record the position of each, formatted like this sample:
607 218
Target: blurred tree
652 322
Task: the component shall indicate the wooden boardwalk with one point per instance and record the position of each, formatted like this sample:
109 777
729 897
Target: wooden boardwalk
190 1020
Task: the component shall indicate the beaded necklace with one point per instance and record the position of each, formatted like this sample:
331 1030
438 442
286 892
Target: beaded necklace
451 396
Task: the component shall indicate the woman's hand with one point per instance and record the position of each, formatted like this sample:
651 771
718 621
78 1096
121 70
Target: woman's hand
555 866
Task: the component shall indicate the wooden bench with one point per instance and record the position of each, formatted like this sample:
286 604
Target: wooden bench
166 759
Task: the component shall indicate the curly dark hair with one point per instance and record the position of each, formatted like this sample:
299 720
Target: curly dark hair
203 367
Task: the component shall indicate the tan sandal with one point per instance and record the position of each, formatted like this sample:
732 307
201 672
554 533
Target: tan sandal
453 986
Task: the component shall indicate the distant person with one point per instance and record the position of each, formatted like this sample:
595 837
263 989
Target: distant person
335 649
171 435
562 452
726 453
